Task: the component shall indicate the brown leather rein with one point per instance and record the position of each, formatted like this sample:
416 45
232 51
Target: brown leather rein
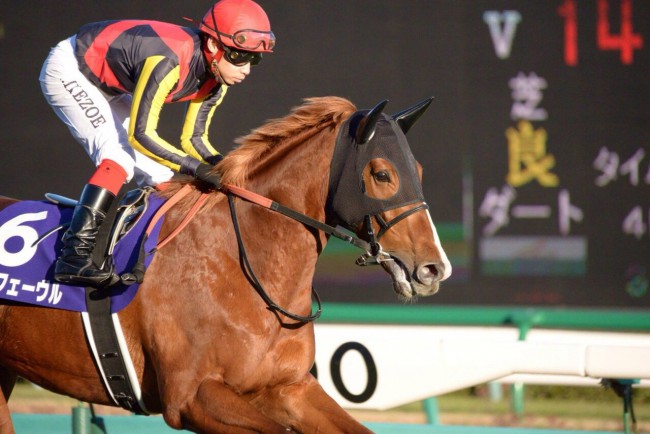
373 253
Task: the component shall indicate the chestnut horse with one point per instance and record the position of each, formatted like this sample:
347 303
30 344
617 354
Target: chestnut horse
210 353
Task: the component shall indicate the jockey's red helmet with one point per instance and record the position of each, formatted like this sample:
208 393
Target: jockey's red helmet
239 24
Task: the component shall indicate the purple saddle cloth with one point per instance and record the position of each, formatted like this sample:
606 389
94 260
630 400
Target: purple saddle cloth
28 254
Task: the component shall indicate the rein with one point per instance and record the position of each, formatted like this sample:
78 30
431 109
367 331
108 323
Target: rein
373 253
267 203
252 278
257 199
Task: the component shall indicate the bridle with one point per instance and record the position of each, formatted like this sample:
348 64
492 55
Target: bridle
373 255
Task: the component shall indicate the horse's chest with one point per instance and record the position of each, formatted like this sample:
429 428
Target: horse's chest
287 360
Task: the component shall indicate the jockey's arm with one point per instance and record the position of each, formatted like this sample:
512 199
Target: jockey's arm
194 138
158 78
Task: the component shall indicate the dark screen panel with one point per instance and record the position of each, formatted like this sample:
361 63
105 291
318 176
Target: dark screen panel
536 149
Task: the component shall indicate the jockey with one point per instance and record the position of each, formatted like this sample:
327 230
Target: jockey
108 84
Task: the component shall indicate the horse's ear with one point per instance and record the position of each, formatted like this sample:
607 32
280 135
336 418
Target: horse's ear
366 127
406 118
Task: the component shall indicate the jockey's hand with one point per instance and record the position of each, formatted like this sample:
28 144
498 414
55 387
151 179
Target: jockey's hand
214 159
207 173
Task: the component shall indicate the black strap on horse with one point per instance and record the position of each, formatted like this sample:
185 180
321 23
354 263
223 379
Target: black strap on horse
295 215
250 275
372 255
98 303
373 251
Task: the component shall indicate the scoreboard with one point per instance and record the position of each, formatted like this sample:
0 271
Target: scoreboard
551 192
562 215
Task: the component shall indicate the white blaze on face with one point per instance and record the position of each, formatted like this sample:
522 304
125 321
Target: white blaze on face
443 255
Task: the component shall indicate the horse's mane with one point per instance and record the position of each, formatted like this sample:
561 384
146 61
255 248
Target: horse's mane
314 112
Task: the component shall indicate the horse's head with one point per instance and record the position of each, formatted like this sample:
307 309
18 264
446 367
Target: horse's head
376 191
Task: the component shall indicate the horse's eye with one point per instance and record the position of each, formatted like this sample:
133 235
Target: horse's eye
381 176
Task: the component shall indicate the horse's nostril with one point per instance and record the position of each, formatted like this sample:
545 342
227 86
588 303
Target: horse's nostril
428 273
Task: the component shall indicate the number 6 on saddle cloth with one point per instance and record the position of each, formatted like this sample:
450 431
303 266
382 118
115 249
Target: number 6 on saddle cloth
29 248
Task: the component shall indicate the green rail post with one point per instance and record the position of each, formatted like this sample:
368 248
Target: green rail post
524 320
80 419
623 389
432 411
495 392
85 421
628 423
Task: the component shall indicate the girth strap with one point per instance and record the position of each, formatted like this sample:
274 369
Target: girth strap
110 357
101 333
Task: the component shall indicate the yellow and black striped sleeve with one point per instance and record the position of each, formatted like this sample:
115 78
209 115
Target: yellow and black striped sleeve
158 78
194 137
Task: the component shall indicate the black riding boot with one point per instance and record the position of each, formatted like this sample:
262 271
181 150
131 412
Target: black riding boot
75 264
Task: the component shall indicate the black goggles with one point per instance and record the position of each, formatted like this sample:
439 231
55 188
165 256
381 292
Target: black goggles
241 57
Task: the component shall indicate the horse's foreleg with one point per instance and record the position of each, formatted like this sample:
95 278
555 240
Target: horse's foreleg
7 382
217 409
306 408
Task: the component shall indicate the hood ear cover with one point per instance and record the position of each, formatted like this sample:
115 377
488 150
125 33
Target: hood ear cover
405 119
366 126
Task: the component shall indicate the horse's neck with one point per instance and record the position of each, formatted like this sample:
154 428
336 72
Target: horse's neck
297 175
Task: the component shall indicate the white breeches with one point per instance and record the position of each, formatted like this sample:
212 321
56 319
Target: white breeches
99 122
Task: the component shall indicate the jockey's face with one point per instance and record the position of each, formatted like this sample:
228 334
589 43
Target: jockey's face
226 72
232 74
